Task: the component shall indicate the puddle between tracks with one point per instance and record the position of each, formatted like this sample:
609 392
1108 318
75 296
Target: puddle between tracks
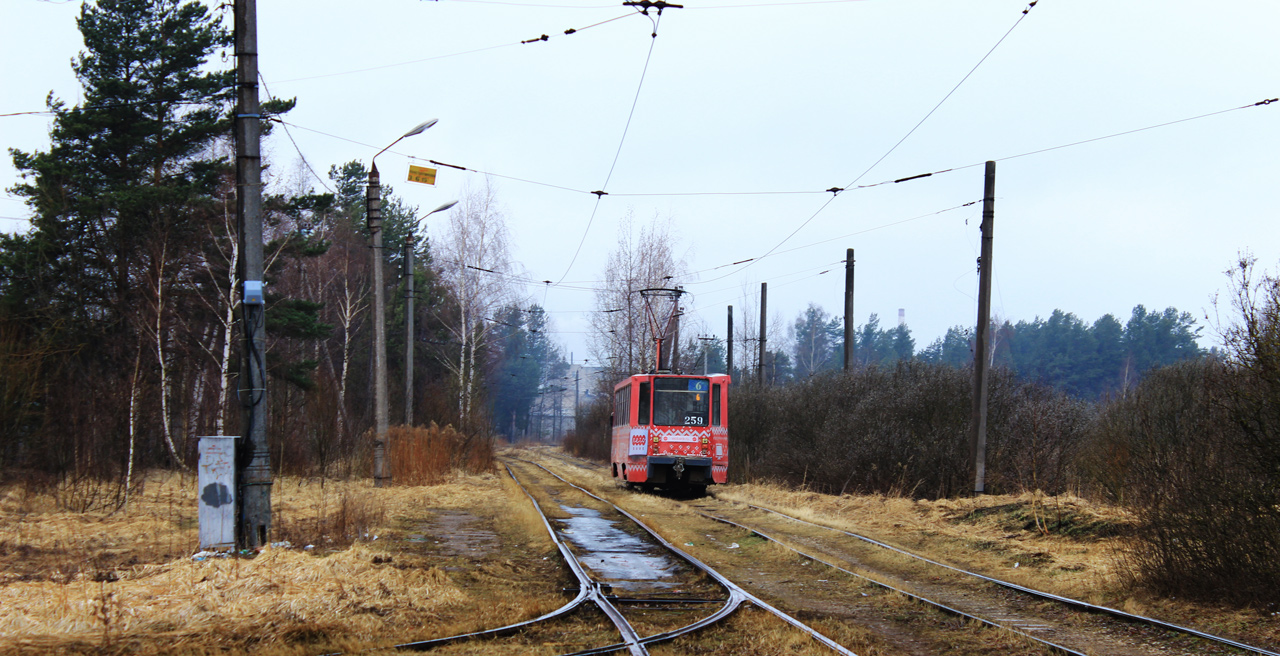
615 556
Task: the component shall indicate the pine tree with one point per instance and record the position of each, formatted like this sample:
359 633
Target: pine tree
132 163
118 199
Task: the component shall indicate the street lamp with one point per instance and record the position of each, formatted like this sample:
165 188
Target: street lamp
374 217
408 315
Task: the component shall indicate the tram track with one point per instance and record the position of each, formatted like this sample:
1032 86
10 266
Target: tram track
622 610
1066 601
1020 610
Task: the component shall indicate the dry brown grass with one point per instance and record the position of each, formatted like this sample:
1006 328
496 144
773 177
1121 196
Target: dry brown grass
1081 556
242 602
39 540
84 582
988 534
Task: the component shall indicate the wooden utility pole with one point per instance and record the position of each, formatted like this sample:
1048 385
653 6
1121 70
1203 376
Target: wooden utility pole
848 309
982 338
764 302
253 459
729 344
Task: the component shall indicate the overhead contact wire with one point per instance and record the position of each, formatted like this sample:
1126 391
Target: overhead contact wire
832 190
544 37
836 192
538 6
506 177
572 30
292 140
949 94
621 142
1260 103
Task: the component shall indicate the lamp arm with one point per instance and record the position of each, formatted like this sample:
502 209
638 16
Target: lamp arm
375 157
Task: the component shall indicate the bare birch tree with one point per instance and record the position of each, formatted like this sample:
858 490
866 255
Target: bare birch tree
475 263
223 254
348 291
621 338
746 334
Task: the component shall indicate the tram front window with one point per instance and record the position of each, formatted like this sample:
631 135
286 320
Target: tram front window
681 401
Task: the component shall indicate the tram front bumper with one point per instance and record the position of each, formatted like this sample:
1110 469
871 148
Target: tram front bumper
668 469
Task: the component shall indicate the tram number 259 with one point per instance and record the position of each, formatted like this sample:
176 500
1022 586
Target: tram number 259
694 420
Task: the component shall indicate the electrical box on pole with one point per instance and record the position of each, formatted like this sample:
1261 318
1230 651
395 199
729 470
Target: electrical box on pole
252 292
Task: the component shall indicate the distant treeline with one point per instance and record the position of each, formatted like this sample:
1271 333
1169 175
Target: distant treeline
1085 360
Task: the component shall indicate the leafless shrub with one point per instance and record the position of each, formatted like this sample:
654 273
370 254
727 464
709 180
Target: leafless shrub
1194 451
902 430
1208 511
590 437
1038 434
426 456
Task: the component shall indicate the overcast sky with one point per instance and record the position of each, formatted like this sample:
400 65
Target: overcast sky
771 96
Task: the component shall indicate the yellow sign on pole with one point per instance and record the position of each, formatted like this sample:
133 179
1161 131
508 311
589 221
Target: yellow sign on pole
422 174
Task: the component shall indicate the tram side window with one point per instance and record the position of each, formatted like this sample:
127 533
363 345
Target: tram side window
643 409
622 406
715 405
680 402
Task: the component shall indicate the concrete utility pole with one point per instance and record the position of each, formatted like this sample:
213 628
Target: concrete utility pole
373 216
848 309
674 364
764 304
706 351
253 459
381 475
729 344
555 421
409 336
982 339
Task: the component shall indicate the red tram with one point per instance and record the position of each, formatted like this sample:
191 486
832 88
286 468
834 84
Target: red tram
671 431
